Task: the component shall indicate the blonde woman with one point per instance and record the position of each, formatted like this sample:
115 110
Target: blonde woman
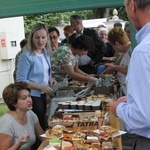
34 68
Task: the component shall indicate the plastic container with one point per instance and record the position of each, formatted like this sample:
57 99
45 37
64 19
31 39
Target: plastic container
87 106
60 105
65 105
81 106
100 69
96 106
73 105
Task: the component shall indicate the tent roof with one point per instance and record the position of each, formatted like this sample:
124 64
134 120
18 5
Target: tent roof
12 8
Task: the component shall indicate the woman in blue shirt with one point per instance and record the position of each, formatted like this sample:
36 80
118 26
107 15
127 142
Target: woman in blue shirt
34 68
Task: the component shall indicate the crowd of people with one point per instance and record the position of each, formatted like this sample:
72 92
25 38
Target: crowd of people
43 62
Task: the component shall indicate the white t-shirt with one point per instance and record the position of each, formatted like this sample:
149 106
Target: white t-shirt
46 68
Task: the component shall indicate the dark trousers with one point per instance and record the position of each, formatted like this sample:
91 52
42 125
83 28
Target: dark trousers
39 108
135 142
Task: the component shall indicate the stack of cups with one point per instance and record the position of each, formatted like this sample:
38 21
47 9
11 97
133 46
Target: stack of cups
81 105
73 105
65 105
96 105
87 106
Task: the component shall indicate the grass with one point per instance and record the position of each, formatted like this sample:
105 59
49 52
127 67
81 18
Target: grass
3 109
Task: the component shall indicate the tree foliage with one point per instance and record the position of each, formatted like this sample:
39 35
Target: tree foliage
52 19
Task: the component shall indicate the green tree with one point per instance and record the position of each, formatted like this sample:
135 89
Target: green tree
52 19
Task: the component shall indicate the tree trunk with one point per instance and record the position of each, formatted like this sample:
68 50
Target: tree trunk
101 13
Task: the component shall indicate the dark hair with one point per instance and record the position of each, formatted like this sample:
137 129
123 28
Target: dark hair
23 43
117 24
51 29
83 42
11 93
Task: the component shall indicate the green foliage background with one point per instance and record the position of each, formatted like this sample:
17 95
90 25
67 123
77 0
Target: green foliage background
3 109
52 19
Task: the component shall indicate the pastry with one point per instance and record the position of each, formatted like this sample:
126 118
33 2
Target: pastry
78 136
66 144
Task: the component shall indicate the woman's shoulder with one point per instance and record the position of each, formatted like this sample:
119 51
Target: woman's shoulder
6 115
6 119
61 51
25 53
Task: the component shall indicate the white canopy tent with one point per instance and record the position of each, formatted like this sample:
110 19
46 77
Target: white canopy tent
93 23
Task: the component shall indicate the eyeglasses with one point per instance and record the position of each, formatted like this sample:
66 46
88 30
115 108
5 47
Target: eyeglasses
53 37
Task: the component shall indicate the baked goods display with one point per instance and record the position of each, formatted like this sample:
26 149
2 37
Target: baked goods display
78 136
79 121
87 131
100 139
86 128
83 105
75 85
55 132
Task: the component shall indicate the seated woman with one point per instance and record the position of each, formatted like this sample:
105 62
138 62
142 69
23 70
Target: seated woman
64 60
19 126
121 43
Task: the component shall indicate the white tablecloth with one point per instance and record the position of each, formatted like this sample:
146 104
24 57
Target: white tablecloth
54 104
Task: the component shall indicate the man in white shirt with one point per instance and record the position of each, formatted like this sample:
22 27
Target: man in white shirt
134 108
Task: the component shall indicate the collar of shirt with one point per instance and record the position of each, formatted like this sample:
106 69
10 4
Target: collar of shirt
142 33
80 33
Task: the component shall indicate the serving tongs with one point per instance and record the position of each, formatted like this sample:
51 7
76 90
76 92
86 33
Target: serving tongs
85 91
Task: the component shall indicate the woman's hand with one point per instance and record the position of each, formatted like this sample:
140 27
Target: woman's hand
110 68
24 138
45 89
92 79
52 81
